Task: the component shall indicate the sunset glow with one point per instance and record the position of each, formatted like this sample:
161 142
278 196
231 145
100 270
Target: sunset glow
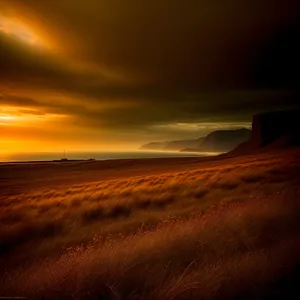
19 30
112 78
20 116
4 118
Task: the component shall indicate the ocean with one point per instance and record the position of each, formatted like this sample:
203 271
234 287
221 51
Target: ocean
49 156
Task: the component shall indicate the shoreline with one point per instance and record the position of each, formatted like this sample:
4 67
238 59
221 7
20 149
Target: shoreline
107 159
95 156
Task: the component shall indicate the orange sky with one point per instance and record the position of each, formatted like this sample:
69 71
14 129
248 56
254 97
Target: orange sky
99 75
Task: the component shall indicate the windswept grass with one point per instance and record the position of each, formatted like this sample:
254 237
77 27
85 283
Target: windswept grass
244 245
186 235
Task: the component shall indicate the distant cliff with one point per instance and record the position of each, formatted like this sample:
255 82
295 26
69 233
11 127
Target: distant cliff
225 140
217 141
222 140
269 127
272 130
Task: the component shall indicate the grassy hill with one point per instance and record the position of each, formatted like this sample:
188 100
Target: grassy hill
185 229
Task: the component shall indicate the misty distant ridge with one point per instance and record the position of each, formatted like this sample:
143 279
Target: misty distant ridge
270 130
217 141
172 145
222 140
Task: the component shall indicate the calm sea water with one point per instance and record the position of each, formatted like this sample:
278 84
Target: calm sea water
96 155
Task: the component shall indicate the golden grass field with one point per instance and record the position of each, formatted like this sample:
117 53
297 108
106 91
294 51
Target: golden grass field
179 228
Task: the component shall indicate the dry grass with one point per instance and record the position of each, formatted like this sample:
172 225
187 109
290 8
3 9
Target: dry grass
185 235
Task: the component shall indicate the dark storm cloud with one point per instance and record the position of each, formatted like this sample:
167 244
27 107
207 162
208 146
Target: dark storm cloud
278 63
194 42
30 66
177 61
229 106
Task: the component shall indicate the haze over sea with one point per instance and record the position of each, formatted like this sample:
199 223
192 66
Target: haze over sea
49 156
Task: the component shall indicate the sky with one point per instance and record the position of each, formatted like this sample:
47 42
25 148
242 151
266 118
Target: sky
114 74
